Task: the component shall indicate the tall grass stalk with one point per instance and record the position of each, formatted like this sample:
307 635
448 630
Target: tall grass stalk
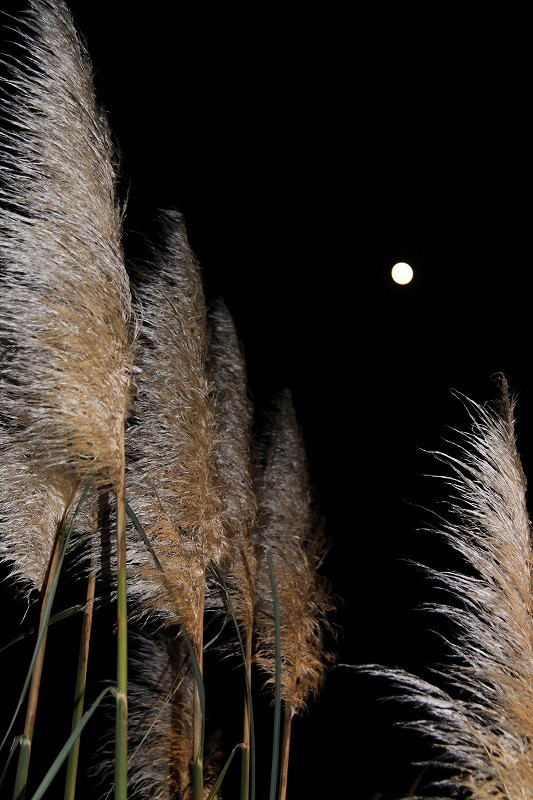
121 744
161 688
170 444
248 744
234 483
178 444
65 330
276 678
33 696
35 668
81 679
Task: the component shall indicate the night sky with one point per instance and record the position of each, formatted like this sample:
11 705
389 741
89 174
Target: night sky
308 152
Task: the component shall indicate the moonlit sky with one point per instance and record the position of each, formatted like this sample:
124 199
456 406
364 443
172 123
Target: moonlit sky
309 153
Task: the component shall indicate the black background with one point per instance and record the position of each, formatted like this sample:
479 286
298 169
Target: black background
309 149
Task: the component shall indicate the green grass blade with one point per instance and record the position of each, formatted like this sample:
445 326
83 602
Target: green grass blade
14 745
140 530
81 679
46 618
121 747
65 750
197 675
23 767
233 615
218 784
277 685
198 764
68 612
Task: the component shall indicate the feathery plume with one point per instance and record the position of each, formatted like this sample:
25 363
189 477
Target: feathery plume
170 446
233 465
290 530
32 510
65 343
480 723
233 455
161 723
65 327
161 694
170 443
160 729
288 526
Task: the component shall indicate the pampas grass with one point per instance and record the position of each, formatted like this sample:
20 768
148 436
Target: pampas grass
291 537
171 439
233 460
289 528
161 696
222 520
66 352
65 324
477 714
171 468
174 448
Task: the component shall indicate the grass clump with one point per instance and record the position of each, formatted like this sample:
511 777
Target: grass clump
128 453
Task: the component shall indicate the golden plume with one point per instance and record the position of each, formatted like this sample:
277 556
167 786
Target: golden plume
65 323
234 465
65 329
292 532
160 730
233 454
170 443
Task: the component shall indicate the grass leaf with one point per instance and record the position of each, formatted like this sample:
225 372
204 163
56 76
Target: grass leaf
65 750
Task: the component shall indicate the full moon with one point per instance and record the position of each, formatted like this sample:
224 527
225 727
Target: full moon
402 273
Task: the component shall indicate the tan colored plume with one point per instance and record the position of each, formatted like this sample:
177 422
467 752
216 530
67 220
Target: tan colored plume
290 534
160 721
233 455
65 340
170 443
289 528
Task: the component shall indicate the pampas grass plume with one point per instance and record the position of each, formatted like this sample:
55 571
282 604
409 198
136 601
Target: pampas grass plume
478 712
65 324
233 455
289 528
170 443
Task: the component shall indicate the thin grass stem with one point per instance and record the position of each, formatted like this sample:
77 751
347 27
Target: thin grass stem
248 756
79 697
198 713
248 747
65 750
35 670
277 686
285 750
121 744
212 794
33 696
